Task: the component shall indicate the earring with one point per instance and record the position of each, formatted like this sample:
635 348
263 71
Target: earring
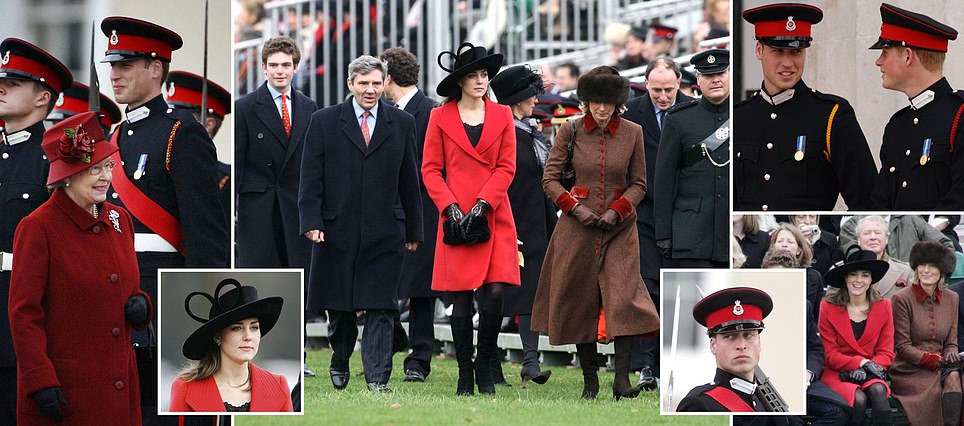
67 184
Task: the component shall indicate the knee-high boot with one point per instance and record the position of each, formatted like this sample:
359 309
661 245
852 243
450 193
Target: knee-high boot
489 325
621 386
951 408
590 369
462 338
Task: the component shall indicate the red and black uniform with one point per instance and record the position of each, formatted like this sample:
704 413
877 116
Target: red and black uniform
720 396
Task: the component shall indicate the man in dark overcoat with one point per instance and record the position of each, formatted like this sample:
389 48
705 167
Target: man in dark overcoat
416 283
359 203
649 111
30 83
269 127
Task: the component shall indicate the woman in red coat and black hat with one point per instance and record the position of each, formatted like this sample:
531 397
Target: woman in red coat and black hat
857 330
78 268
224 378
926 374
468 164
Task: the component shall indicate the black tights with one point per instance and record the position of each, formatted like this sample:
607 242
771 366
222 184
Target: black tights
876 395
490 300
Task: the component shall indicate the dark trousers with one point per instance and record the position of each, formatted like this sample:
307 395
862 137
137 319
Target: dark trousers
421 334
645 351
699 263
376 342
8 396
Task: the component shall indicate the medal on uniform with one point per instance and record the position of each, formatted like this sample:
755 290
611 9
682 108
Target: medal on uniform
141 164
801 145
926 152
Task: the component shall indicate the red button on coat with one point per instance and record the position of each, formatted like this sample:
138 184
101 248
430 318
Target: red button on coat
96 229
113 278
115 332
119 385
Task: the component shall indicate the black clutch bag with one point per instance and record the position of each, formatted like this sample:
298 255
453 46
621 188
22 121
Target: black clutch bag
568 173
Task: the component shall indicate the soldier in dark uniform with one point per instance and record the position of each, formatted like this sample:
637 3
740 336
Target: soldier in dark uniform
733 318
795 148
169 176
920 167
184 91
692 178
663 79
30 82
75 100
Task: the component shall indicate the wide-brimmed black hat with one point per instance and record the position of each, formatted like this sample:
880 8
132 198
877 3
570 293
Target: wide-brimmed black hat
234 305
603 84
733 309
468 58
516 84
857 260
933 253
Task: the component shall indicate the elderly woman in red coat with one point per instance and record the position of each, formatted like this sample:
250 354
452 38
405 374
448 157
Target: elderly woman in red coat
467 166
223 376
76 297
926 374
857 331
593 258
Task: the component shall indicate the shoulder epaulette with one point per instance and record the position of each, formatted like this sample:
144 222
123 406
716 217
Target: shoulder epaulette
682 106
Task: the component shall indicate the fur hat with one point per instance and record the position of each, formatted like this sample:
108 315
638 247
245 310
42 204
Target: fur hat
603 84
934 253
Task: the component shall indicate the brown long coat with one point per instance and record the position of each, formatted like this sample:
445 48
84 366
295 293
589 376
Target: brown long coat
586 268
922 325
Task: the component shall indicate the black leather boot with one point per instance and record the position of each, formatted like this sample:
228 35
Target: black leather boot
621 387
489 326
590 369
462 339
530 356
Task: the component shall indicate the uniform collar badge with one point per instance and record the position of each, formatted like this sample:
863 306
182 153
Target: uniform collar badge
742 385
16 137
779 98
138 114
922 99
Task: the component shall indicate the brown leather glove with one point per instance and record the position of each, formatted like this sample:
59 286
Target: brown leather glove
608 220
584 215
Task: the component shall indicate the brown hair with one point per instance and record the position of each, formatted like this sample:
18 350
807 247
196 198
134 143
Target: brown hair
402 66
285 45
751 224
775 257
207 366
841 297
931 60
805 257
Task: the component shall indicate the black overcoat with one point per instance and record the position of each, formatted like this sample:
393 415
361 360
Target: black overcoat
360 197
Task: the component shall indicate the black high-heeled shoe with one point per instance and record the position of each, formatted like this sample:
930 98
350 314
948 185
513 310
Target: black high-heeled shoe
540 377
629 393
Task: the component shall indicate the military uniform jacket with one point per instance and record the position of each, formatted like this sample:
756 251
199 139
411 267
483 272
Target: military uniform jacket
691 200
834 157
180 175
23 178
937 184
701 398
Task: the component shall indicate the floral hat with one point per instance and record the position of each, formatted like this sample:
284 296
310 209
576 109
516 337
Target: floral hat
75 144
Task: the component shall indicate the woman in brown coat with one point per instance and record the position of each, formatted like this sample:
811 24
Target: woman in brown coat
925 338
593 258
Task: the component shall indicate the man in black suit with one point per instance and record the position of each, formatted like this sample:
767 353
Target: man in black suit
649 111
359 204
269 129
416 283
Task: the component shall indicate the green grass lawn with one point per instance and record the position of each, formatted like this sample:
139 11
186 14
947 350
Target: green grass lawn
434 402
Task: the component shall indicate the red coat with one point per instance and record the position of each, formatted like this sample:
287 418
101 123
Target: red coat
72 275
269 393
844 352
484 171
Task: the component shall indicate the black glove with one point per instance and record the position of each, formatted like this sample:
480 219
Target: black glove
857 376
454 232
49 400
875 370
475 225
135 310
665 247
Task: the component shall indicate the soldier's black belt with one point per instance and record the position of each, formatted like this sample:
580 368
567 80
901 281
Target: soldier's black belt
708 145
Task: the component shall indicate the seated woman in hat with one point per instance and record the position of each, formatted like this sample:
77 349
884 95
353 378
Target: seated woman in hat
223 378
533 212
74 292
592 263
468 163
926 374
857 330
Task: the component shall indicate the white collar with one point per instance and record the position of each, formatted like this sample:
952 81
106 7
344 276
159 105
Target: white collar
138 114
918 102
742 385
403 102
16 137
779 98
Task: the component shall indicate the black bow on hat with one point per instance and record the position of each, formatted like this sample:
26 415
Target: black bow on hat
468 58
237 304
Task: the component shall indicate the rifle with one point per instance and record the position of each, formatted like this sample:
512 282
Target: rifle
768 394
93 95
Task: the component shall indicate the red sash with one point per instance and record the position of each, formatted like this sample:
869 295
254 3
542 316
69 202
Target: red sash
729 399
145 209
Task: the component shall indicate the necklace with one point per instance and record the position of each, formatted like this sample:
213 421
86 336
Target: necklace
93 210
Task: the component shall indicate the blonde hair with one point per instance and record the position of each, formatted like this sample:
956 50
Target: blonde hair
584 107
932 61
738 257
805 257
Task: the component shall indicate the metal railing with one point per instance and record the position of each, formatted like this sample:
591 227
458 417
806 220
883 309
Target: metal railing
331 33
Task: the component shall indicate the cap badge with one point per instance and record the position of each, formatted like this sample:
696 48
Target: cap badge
170 89
723 133
6 58
710 59
113 38
737 308
560 110
790 24
60 100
